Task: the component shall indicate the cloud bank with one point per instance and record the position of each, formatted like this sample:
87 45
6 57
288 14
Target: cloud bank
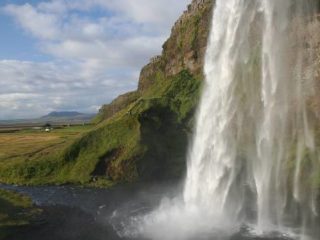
96 50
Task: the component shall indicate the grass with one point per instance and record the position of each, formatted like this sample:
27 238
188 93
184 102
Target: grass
27 153
124 143
115 106
26 143
120 134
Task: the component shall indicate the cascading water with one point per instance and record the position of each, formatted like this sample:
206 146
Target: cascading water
253 155
253 116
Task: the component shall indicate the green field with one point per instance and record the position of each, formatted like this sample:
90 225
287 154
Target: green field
27 144
23 150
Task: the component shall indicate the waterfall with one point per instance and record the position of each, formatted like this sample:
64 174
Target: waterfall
253 156
253 126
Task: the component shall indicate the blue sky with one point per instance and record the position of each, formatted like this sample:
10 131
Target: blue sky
76 54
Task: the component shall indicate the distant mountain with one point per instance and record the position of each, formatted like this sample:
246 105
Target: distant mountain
66 114
67 117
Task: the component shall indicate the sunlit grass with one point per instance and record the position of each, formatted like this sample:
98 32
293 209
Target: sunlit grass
24 152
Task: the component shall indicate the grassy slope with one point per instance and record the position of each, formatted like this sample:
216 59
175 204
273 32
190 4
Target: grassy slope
125 141
122 148
16 211
115 106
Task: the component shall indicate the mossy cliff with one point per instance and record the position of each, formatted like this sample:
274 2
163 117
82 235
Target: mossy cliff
142 135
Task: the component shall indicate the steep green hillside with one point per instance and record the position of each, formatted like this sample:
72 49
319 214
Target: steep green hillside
147 139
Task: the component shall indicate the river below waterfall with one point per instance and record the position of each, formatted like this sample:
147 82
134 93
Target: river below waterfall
75 213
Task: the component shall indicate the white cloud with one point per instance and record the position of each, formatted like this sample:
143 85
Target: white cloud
95 57
156 12
41 25
57 6
30 89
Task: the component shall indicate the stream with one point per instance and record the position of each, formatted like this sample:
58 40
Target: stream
76 213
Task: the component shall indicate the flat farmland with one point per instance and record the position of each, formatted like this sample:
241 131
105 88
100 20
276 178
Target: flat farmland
26 143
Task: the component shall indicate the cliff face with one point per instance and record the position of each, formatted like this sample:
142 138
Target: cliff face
185 49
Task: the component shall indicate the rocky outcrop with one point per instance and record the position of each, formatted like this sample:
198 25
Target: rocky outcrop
122 101
150 73
185 48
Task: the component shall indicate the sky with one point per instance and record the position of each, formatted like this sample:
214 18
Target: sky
75 55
